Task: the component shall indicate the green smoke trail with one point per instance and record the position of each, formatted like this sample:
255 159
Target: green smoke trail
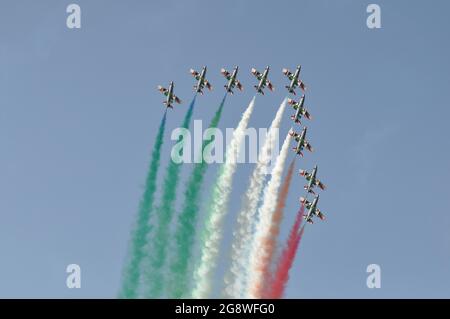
185 232
153 275
130 281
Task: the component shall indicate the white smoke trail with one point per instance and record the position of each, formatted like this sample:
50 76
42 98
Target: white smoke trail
235 279
212 233
258 255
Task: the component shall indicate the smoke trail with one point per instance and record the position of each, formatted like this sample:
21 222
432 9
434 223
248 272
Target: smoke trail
258 255
270 242
185 232
212 233
287 258
235 279
131 274
157 244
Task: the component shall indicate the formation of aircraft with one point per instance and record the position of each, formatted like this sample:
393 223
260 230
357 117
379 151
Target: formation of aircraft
295 81
263 80
302 143
170 97
312 209
201 80
232 81
299 109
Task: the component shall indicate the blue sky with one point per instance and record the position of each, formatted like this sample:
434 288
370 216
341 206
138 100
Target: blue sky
79 113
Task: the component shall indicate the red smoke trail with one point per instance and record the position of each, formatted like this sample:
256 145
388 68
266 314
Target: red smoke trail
270 242
287 258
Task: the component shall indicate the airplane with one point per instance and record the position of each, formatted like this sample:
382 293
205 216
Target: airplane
300 109
232 81
202 81
312 180
294 77
263 81
312 209
169 94
302 143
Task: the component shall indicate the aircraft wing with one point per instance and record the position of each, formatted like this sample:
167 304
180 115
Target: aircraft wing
195 74
292 103
270 85
225 73
256 73
288 74
304 173
309 147
307 115
163 90
239 85
208 85
305 202
320 184
302 86
319 214
176 99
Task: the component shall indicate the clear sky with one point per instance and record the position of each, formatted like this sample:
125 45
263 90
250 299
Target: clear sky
79 114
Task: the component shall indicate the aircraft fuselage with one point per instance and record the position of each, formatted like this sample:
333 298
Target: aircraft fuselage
263 80
312 180
294 80
232 80
170 94
201 80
